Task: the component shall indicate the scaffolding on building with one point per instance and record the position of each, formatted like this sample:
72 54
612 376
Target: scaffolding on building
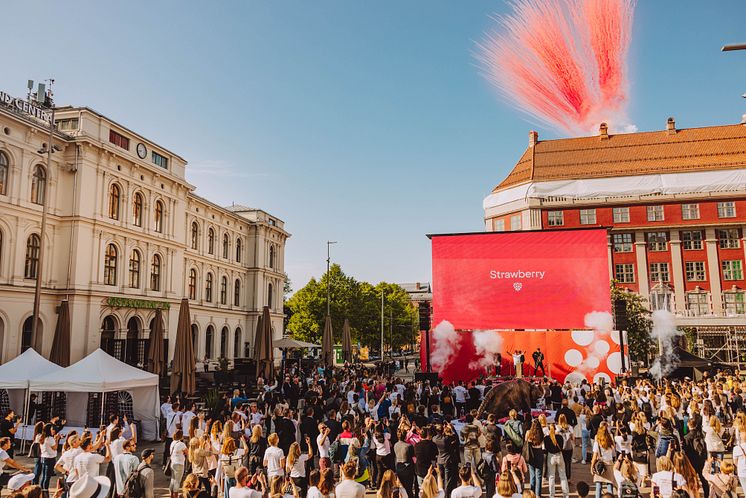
722 344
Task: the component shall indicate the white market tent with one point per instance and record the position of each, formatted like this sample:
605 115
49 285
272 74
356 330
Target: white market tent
16 375
101 373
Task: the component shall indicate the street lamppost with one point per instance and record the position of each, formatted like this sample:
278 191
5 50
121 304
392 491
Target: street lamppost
733 47
328 276
382 295
44 99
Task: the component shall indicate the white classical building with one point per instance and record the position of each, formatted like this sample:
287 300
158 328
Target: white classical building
126 234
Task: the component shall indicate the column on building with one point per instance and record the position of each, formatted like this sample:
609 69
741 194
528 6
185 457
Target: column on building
713 271
642 265
677 272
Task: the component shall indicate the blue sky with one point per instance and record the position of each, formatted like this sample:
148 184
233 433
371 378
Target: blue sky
361 122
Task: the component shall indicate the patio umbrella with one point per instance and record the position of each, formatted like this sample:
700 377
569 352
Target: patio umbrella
183 371
258 341
265 359
60 353
327 344
346 341
155 345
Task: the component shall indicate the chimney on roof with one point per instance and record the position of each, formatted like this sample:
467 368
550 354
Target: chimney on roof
603 131
533 138
671 126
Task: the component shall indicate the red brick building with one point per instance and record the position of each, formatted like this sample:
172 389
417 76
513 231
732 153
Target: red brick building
675 201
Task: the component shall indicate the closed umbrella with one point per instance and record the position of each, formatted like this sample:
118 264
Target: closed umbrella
327 344
265 359
60 353
258 340
183 371
346 341
155 345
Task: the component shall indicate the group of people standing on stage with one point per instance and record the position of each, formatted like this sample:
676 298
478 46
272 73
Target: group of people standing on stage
518 358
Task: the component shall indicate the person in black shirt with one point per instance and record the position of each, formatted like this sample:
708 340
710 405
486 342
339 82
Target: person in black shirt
335 427
570 416
8 428
426 455
449 456
474 394
309 427
595 421
538 357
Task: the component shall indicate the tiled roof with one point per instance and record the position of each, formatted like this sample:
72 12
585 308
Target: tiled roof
630 154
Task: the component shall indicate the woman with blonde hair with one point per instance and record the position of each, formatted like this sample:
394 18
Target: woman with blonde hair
683 466
602 461
536 458
722 483
666 479
567 434
257 447
274 457
199 451
230 459
714 438
295 466
432 484
389 484
506 487
553 444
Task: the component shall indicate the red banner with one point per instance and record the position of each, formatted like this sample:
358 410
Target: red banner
520 280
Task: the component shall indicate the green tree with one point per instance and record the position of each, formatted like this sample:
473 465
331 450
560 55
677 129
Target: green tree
360 303
638 316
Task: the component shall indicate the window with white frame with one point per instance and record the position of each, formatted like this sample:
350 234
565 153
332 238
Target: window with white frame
729 238
691 239
726 209
515 222
624 273
655 213
697 303
732 269
657 241
499 225
735 303
659 272
695 271
556 218
690 211
587 216
621 215
622 242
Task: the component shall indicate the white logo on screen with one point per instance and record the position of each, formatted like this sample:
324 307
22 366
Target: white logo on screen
517 286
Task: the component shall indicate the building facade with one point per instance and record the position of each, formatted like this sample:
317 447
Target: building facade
675 204
126 234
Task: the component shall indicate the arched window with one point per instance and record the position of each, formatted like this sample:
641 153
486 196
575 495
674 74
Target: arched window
192 284
224 342
135 269
223 290
225 246
208 288
137 207
209 341
110 265
33 246
238 250
4 165
114 195
27 338
272 257
108 333
237 341
195 339
211 241
38 184
270 295
195 235
237 293
155 273
158 217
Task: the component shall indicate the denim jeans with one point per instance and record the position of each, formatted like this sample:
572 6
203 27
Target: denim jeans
535 478
599 485
47 472
556 465
584 440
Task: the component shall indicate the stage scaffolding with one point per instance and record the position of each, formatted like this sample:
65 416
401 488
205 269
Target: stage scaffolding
722 344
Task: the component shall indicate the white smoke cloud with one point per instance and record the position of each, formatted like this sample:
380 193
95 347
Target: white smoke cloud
664 331
488 344
602 323
446 340
599 320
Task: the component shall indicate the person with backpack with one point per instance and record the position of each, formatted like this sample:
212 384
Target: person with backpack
626 477
566 432
694 447
488 467
722 482
470 436
603 459
124 465
140 483
513 430
515 463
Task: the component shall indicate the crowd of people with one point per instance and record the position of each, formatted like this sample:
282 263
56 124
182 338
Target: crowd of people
335 433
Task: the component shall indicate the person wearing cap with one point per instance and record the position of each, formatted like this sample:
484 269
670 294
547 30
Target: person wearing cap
19 482
90 487
7 461
146 472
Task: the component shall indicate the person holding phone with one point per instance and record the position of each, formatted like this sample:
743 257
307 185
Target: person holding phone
666 479
471 485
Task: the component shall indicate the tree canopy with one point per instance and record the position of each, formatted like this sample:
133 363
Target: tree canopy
360 303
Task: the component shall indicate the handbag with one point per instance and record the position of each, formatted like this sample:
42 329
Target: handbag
229 469
599 467
35 450
167 467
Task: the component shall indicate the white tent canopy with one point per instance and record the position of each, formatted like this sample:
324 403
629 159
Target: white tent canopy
16 375
100 373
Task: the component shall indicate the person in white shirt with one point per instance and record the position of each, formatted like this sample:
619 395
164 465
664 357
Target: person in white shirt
739 459
241 490
177 452
348 488
48 441
471 486
323 443
88 462
666 479
124 464
64 465
7 461
274 458
173 423
295 465
113 422
460 395
187 417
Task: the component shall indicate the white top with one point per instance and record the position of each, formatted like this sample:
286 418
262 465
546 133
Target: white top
299 466
243 492
460 393
607 455
177 453
3 456
88 464
46 448
623 444
349 489
323 448
117 447
172 419
313 492
186 419
382 449
739 458
467 492
441 494
514 495
124 465
67 460
665 482
273 455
